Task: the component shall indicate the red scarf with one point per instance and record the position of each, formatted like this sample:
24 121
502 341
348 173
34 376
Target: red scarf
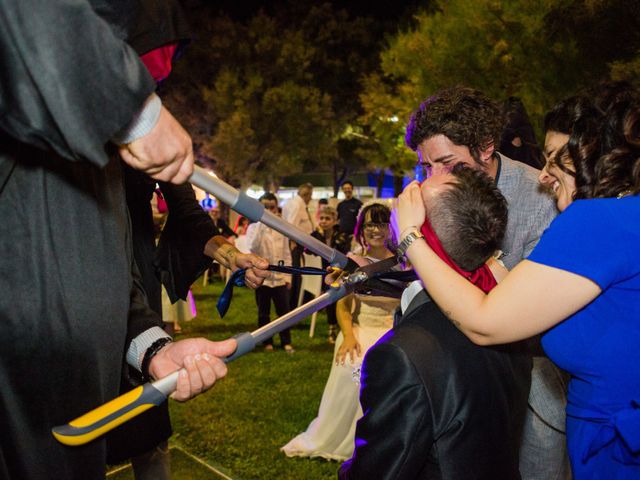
480 277
158 61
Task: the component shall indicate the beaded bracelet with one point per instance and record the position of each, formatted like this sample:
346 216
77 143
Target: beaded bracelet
151 352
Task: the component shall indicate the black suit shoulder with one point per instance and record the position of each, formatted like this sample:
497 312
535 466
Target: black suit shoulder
396 423
473 400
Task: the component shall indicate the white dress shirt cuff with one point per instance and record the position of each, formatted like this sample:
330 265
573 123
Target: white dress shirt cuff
142 122
140 344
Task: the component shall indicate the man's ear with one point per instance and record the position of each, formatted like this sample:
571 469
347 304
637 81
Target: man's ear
487 153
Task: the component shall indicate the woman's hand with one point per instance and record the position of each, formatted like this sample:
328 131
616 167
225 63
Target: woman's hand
409 211
351 347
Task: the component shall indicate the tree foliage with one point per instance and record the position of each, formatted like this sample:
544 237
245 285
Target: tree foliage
538 51
308 87
275 94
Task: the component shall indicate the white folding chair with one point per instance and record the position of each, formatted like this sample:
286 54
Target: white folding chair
311 284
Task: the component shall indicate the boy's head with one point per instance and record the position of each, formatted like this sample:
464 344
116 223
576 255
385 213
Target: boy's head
270 202
328 218
468 213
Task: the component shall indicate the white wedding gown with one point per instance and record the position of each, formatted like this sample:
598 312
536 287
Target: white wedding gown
331 434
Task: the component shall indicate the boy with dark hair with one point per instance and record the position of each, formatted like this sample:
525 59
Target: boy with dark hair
274 247
470 218
436 405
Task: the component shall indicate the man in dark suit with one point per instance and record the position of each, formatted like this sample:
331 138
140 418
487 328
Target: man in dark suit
71 94
436 405
190 239
348 209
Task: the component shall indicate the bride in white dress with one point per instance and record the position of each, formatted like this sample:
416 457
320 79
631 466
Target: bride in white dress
363 320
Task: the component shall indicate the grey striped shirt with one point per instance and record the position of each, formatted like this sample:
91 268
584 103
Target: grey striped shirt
531 210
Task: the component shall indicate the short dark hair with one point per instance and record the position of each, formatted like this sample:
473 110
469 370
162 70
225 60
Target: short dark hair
347 182
465 116
269 196
323 201
470 218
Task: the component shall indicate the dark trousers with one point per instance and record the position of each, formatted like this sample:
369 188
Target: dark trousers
296 279
280 297
332 318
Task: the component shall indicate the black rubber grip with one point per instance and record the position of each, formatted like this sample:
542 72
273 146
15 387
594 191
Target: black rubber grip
246 343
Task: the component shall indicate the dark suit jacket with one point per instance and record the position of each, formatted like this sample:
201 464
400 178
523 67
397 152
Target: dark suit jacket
436 406
178 259
176 262
69 302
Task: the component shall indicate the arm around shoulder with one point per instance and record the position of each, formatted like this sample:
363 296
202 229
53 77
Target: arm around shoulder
537 295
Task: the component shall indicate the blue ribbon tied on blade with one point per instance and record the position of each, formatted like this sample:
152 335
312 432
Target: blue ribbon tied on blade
237 280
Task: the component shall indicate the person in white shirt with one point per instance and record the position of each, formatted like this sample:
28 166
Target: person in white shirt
274 247
296 212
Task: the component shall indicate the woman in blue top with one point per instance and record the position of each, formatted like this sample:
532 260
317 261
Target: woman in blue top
581 285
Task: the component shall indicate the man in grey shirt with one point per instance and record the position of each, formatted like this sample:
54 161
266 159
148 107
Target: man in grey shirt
462 125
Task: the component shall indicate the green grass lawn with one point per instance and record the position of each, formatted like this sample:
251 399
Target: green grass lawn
265 400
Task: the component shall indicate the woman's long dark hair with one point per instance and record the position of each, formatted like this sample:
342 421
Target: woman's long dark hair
605 150
603 127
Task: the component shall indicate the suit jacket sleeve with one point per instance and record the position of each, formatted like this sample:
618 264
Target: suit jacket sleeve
395 435
180 257
141 317
67 81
